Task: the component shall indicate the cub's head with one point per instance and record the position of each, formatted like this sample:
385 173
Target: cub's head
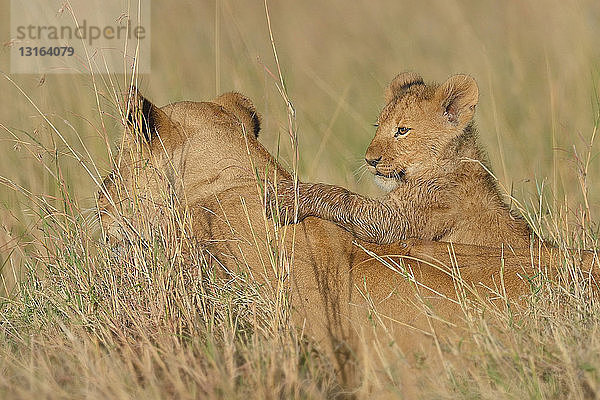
417 125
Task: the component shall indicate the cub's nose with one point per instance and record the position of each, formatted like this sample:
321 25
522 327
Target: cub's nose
373 161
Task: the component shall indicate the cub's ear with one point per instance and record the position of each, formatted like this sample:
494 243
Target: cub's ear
144 118
242 107
400 85
458 97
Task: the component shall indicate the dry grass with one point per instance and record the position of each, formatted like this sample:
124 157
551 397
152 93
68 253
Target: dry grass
77 322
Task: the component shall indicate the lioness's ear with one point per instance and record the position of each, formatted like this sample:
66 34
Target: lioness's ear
144 118
243 108
400 85
458 97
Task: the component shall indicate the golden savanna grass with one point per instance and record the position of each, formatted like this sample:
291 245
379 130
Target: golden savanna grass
77 320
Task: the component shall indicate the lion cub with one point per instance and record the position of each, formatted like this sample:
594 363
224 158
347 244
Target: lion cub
425 153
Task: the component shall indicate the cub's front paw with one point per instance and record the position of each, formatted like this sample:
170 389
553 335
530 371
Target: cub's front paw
281 202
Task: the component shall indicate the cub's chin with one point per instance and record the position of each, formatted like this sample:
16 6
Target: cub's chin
387 184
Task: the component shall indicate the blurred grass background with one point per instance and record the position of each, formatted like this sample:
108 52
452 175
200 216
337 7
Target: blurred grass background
536 63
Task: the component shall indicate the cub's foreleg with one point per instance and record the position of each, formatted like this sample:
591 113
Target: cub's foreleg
376 221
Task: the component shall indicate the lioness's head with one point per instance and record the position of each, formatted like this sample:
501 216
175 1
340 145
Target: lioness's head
167 154
418 124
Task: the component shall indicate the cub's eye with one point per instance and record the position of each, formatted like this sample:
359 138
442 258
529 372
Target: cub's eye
402 131
376 125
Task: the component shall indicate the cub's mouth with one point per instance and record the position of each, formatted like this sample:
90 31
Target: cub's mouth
397 175
388 182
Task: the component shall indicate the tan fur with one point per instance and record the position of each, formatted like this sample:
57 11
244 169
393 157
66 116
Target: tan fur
439 184
200 163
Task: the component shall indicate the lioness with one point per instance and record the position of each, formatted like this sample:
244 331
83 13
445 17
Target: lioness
203 162
425 153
